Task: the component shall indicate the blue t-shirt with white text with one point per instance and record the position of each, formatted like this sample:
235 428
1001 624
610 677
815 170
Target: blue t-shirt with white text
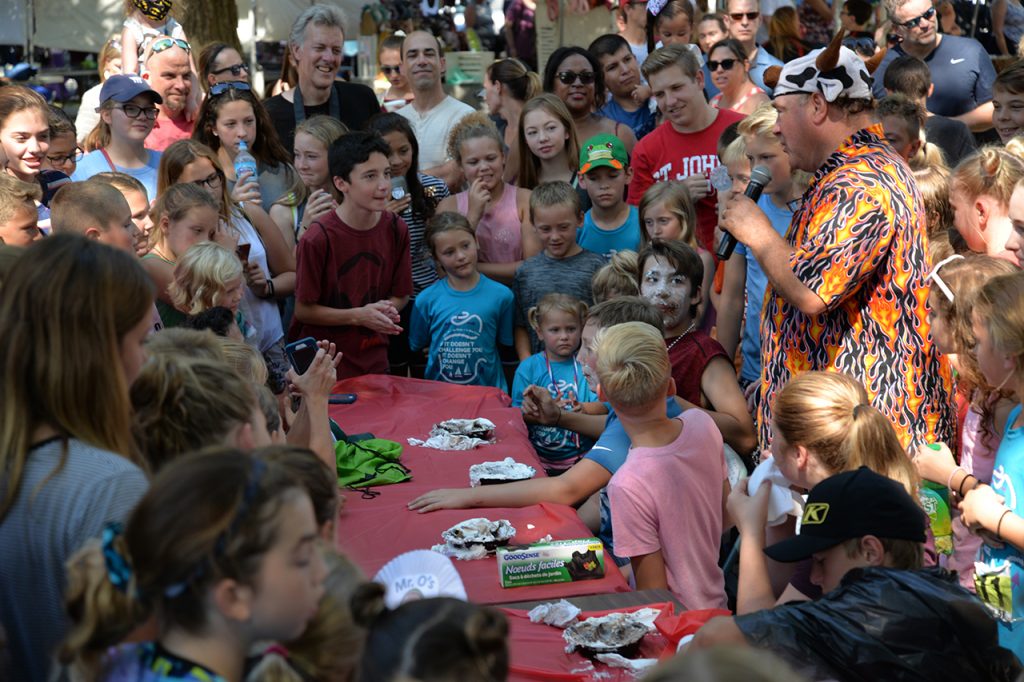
462 330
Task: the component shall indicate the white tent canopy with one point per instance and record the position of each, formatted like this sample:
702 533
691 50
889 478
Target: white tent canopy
84 25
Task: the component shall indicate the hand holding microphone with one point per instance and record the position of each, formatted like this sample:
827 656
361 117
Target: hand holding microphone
759 178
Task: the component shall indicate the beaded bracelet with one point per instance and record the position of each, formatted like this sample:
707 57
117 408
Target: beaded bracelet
999 526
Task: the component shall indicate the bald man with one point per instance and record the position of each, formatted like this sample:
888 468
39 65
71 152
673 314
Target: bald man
169 73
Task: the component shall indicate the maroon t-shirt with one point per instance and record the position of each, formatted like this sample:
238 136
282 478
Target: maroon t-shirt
341 267
689 357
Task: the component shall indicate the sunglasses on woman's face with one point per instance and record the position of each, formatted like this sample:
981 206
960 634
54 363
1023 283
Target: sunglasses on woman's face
221 88
725 64
388 70
570 77
235 69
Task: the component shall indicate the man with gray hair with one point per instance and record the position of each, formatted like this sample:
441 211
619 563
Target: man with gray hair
316 42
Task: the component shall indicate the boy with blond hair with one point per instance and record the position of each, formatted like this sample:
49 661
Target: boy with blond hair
667 499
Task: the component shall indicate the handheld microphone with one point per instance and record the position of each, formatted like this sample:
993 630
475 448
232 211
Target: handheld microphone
759 177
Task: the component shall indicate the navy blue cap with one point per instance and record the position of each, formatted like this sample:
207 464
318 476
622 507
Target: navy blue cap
125 87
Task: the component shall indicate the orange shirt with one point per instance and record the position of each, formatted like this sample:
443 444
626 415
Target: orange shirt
860 244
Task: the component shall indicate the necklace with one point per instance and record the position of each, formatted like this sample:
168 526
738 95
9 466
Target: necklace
693 325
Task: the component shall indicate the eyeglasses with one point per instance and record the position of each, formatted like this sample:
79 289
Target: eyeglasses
570 77
134 111
390 69
212 181
725 64
928 15
167 43
235 69
934 277
750 16
65 159
221 88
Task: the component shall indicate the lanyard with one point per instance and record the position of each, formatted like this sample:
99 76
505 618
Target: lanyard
333 107
109 162
575 388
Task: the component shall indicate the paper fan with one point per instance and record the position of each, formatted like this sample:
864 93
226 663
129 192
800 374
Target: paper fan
421 571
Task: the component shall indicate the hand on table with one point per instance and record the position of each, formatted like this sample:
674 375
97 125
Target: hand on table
749 512
443 498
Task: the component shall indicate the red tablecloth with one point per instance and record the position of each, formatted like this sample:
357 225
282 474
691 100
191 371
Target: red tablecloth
373 531
537 651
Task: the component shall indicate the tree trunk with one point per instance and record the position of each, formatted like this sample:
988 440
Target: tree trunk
206 21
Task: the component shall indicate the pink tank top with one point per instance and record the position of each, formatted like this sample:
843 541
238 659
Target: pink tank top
977 456
499 232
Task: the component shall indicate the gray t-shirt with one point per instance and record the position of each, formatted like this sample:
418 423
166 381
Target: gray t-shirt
54 515
543 275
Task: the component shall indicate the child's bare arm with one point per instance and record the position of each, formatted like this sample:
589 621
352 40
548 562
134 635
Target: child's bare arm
129 53
728 406
649 570
523 349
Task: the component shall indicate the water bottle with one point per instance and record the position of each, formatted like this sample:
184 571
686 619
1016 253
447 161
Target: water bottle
244 161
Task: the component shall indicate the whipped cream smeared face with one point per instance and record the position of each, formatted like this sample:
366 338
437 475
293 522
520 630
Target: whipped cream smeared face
670 292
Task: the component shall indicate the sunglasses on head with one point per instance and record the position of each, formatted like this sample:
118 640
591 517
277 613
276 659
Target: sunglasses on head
725 64
750 16
390 69
235 69
928 14
167 43
221 88
570 77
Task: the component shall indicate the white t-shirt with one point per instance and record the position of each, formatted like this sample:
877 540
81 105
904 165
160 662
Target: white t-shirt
432 129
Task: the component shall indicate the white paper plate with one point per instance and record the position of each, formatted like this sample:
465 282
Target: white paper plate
422 571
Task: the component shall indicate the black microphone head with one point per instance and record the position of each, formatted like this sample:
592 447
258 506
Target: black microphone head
760 176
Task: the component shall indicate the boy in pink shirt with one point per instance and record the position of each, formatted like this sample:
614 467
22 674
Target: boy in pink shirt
667 500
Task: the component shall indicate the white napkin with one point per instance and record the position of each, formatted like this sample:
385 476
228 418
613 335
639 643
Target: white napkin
782 501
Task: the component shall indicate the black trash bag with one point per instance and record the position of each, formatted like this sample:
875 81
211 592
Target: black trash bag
887 624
